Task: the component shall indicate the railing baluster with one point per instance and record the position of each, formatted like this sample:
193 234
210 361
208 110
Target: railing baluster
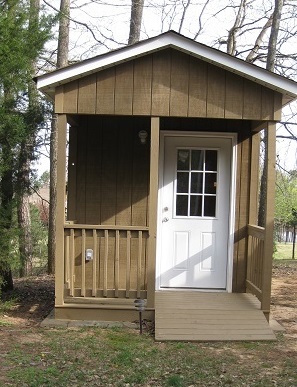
66 255
255 259
128 264
83 263
71 261
94 287
105 263
139 263
117 264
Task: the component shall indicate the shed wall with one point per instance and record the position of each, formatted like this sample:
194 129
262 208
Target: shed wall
168 83
108 172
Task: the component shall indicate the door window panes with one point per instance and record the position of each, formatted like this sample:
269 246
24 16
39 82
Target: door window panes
196 205
197 160
183 159
182 179
211 161
182 205
196 182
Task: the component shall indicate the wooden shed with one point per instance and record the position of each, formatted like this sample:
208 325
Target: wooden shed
160 188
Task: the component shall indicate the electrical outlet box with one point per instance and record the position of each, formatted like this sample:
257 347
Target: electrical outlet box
89 254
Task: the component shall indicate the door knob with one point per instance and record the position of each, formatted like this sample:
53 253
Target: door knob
165 219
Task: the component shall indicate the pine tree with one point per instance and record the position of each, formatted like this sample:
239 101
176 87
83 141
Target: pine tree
20 44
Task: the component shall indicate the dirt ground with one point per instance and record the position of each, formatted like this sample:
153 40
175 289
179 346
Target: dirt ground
33 299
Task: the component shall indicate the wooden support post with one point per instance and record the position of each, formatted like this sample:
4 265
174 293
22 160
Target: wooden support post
60 217
253 200
254 186
153 207
269 220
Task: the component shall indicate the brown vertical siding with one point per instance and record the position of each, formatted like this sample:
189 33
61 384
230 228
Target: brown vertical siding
87 95
93 157
215 92
197 88
124 88
105 91
179 85
169 83
161 83
142 95
110 186
251 100
234 96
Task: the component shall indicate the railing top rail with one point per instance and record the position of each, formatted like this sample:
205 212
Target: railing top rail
104 227
256 231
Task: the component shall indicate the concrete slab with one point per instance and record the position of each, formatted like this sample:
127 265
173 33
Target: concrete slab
276 326
51 322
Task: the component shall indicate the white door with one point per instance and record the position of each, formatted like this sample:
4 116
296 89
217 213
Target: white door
195 202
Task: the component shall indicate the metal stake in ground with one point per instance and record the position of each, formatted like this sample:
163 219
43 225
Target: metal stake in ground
140 305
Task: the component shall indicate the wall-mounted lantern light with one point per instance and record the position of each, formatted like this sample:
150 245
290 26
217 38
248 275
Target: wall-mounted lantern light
143 136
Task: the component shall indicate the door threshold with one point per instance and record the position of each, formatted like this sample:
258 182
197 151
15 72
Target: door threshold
201 290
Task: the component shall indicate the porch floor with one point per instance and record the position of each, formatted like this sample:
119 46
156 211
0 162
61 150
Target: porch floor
203 316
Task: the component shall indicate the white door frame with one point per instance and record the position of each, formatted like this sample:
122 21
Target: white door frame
233 137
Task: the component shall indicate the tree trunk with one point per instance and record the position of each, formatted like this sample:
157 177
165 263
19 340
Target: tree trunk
294 241
53 199
25 236
271 56
135 21
232 35
6 201
62 61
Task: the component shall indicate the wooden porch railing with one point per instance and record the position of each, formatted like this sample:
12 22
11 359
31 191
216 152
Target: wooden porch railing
255 260
118 268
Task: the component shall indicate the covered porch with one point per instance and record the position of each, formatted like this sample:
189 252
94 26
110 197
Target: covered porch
122 267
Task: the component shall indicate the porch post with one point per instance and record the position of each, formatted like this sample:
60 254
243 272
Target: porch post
60 210
269 219
152 214
253 202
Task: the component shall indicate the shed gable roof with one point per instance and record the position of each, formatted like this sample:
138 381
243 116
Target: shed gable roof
288 88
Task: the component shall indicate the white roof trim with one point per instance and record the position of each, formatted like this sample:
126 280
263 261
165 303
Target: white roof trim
48 82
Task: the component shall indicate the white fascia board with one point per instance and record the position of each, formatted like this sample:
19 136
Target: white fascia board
100 62
170 39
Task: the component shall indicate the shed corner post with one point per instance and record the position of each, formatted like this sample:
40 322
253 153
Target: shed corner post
254 175
269 219
153 208
60 209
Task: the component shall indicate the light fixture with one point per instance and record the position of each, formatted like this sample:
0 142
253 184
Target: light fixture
143 136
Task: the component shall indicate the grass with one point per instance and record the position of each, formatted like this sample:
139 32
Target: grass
284 251
5 306
107 357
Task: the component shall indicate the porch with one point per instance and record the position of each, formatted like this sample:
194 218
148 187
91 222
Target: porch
105 287
204 316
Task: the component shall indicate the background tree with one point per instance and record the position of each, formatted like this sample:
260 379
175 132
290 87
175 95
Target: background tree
270 65
20 44
135 20
33 117
62 61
